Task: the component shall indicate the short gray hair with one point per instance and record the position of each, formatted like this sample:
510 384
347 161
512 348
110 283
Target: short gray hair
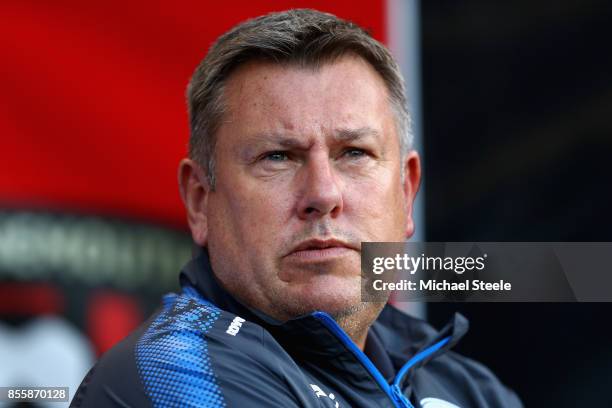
303 37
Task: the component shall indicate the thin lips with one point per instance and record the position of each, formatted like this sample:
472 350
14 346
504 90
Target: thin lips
321 244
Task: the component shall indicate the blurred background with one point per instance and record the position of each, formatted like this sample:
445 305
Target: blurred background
513 110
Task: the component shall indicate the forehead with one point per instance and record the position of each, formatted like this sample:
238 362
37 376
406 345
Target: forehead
346 93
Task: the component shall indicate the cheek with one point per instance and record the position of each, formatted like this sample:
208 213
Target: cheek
254 215
271 199
268 203
379 205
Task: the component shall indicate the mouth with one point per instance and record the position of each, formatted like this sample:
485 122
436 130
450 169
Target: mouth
318 249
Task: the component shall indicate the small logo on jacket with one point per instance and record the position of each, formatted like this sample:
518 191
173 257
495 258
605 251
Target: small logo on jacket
436 403
235 326
320 393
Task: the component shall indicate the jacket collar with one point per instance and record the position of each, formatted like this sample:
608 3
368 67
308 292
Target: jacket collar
400 335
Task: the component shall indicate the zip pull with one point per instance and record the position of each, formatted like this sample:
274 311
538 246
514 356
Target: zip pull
417 359
400 397
395 388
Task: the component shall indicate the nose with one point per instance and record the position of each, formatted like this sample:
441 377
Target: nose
320 191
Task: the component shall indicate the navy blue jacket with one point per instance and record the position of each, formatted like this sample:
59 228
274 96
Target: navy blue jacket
205 349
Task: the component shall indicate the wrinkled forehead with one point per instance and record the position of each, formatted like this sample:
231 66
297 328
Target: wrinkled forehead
346 93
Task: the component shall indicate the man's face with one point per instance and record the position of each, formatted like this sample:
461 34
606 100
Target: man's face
307 167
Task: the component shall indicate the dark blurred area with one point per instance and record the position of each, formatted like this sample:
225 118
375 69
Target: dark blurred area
517 102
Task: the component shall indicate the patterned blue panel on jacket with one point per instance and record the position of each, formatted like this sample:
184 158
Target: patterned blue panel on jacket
172 355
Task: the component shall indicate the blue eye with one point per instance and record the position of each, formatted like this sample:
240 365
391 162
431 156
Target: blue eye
276 156
355 152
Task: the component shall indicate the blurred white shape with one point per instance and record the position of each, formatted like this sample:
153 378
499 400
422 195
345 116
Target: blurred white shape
436 403
47 352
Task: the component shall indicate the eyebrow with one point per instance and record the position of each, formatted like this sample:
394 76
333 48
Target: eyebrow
350 135
340 135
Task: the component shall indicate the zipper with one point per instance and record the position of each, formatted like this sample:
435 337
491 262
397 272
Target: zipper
400 397
393 391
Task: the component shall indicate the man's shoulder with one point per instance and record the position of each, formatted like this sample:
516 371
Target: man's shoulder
189 326
114 379
187 344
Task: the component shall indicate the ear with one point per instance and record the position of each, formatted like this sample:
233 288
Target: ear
412 180
194 188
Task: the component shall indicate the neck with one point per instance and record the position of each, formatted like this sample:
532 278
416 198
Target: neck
357 321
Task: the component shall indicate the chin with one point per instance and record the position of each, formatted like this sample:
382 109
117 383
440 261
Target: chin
330 294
